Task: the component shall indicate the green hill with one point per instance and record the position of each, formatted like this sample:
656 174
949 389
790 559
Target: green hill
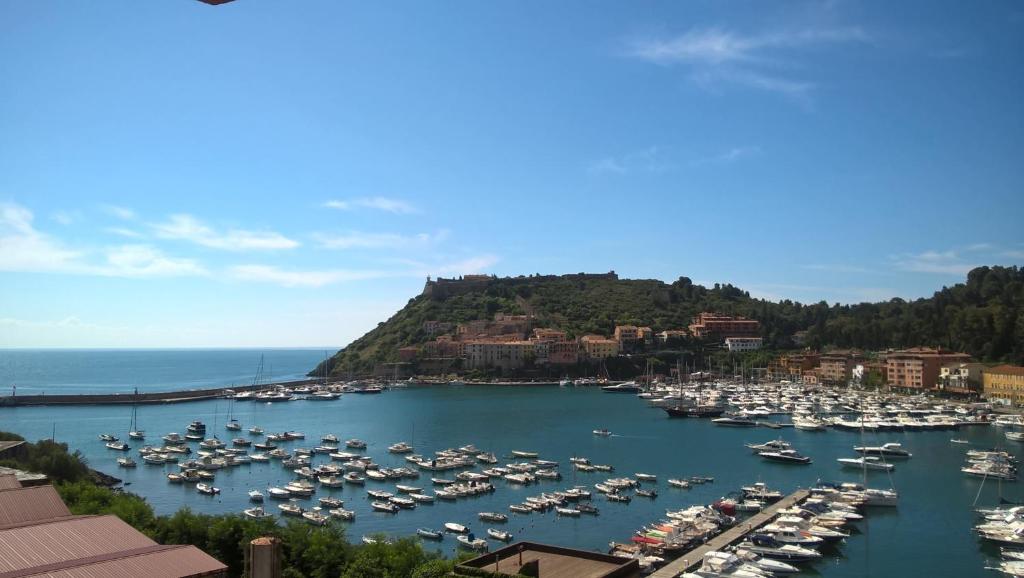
983 316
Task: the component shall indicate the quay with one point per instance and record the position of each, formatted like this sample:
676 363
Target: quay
157 397
693 558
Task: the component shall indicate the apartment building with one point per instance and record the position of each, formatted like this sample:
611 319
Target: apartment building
708 325
836 367
599 347
739 344
495 354
918 368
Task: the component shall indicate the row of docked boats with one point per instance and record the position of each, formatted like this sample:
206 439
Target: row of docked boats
991 464
783 545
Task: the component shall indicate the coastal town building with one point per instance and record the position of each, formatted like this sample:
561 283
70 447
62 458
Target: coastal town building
961 378
917 368
708 325
598 347
792 366
497 354
836 367
437 327
626 335
566 352
671 335
1004 383
738 344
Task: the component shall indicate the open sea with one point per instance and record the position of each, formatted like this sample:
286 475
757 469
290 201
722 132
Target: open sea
929 534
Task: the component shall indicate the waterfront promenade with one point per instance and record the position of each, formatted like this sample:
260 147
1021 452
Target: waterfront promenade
158 397
693 558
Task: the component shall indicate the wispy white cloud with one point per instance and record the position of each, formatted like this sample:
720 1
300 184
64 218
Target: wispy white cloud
123 213
188 228
356 239
379 203
300 278
648 160
949 262
315 278
837 268
25 249
730 156
64 217
718 57
123 232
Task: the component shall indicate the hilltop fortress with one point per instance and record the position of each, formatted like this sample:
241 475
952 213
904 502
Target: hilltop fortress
442 288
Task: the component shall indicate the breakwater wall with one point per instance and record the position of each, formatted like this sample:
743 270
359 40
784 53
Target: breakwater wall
140 398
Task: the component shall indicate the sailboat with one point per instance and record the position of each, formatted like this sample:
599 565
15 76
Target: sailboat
133 428
232 424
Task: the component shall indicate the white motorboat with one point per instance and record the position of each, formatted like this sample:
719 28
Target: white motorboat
430 534
646 477
499 535
493 517
278 493
257 512
342 514
255 496
471 543
455 528
290 509
677 483
126 462
314 516
400 448
384 507
602 432
207 489
119 446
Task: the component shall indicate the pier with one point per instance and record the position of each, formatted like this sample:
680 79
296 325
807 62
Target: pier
155 397
693 558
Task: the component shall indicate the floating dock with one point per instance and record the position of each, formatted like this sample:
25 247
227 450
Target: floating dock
692 559
141 398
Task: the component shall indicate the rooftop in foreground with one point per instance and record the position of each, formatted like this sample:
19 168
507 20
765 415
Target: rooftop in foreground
552 562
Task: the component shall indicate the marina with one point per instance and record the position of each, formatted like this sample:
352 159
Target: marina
499 491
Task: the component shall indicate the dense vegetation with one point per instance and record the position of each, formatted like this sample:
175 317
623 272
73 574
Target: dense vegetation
308 551
983 316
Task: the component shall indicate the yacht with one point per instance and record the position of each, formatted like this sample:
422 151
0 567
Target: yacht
866 462
279 493
626 387
256 431
290 509
786 457
255 496
602 432
889 450
770 446
119 446
734 421
355 444
677 483
126 462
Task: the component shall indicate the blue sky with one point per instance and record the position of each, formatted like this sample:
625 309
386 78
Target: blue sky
287 174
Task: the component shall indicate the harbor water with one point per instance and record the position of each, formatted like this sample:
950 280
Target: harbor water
930 533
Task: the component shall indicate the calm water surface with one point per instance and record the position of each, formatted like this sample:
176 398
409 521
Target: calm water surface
929 534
